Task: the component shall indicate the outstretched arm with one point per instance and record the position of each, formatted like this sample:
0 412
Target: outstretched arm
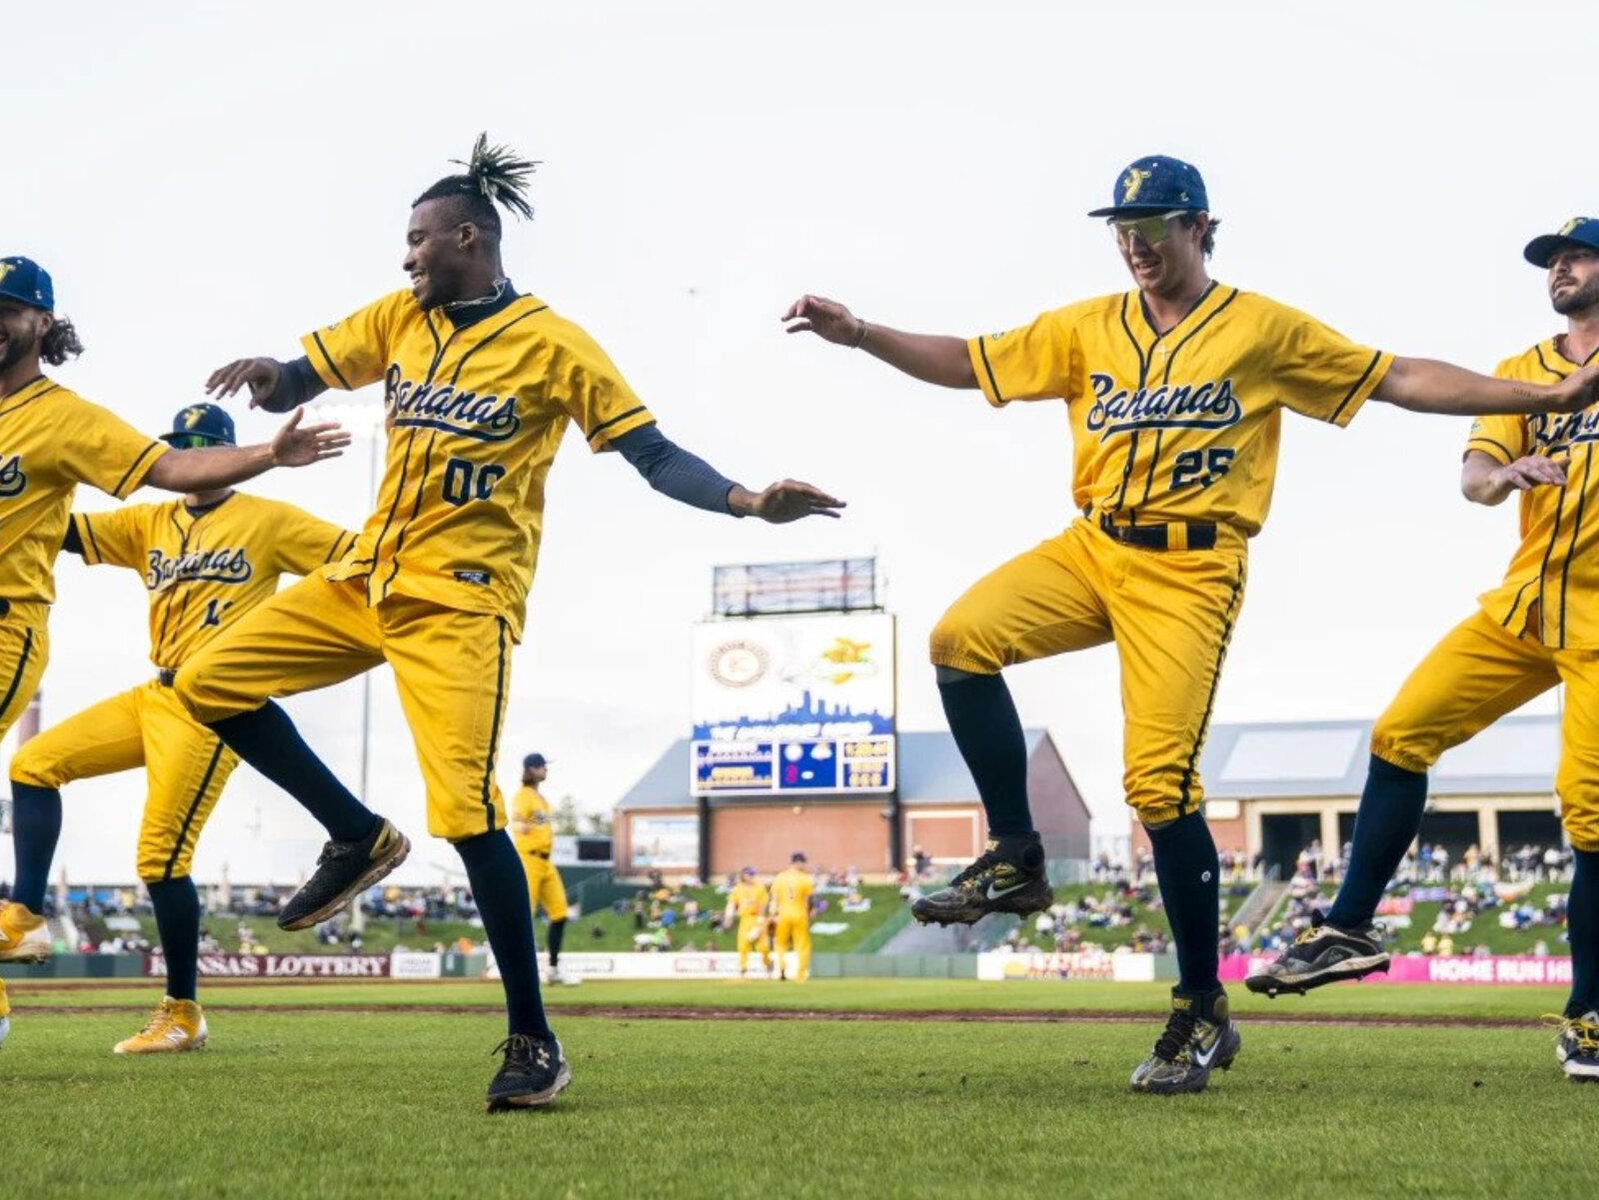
214 467
685 477
274 386
1426 385
1483 480
932 358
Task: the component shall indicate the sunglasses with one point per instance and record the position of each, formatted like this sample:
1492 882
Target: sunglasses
190 441
1153 229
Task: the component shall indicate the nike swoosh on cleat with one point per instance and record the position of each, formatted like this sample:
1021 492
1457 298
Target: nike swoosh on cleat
993 895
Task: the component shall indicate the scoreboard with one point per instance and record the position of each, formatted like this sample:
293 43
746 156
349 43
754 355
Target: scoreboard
794 705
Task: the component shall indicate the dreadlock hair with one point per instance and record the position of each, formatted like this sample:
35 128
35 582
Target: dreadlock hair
494 175
60 343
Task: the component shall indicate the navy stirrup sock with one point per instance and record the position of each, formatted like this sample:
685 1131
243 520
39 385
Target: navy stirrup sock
1389 817
269 742
556 935
988 732
1189 874
499 886
35 829
177 918
1582 930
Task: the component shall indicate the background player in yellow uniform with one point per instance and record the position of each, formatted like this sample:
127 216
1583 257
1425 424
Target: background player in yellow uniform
1538 628
748 901
206 560
480 384
534 837
1174 393
791 904
51 440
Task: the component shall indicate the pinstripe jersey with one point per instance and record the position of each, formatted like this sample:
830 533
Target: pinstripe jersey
1182 425
474 415
51 440
206 570
1553 578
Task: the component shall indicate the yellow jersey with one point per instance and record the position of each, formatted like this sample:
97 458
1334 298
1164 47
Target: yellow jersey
51 440
748 899
791 893
530 808
1552 583
473 415
1182 425
205 570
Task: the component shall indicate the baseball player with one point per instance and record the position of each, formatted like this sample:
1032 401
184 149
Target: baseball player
1174 393
480 383
534 838
206 560
748 900
51 440
791 904
1538 628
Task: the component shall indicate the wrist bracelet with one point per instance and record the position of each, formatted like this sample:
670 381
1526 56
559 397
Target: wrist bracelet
860 338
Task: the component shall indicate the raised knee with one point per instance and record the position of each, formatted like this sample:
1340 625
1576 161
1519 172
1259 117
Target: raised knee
32 768
958 642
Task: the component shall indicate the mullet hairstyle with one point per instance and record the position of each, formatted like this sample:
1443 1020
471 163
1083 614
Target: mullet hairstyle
60 343
494 175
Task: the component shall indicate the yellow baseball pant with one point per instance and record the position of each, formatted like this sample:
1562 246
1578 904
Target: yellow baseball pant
186 767
752 936
544 887
452 669
795 932
1170 613
1479 672
24 649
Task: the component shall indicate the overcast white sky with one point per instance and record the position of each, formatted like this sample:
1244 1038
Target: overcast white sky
207 181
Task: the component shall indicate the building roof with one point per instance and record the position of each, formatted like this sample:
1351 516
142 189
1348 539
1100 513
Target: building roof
1514 756
930 769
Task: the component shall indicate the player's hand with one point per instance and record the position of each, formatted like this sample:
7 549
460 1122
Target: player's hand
1578 390
297 446
1536 470
260 374
785 501
827 319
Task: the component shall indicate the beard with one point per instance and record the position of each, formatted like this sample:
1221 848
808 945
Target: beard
1585 296
16 349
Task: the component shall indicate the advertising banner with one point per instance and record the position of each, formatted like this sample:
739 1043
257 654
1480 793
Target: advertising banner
1417 968
1079 964
793 705
282 966
665 842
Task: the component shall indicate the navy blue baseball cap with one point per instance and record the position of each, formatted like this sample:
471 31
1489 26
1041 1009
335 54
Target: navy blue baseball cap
1156 184
534 760
205 422
25 280
1579 231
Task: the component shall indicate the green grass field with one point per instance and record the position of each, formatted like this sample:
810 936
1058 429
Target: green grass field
347 1090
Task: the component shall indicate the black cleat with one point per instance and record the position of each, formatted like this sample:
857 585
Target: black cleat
533 1073
1322 954
1008 877
342 870
1200 1038
1577 1047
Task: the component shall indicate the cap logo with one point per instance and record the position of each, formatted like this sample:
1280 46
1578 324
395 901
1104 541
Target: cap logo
1133 183
1564 229
192 417
5 269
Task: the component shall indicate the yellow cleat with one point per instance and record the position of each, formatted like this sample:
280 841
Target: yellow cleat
174 1025
23 935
